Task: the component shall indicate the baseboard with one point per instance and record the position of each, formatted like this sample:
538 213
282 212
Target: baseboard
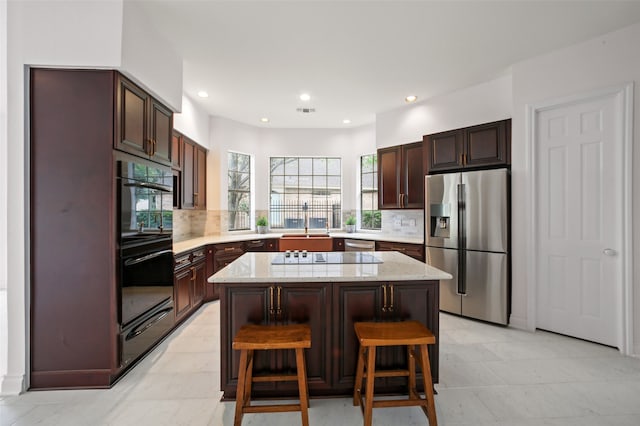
71 379
11 385
518 322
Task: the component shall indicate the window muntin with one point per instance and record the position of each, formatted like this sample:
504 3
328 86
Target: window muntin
305 188
370 217
239 191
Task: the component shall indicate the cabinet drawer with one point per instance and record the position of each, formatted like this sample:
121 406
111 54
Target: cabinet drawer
413 250
228 249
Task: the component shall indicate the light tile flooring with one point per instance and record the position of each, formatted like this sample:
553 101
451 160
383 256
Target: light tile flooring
489 375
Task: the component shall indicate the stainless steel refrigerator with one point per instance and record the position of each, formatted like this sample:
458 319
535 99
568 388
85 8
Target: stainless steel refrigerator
467 235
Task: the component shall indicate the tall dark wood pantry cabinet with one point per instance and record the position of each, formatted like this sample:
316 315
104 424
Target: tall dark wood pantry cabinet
74 127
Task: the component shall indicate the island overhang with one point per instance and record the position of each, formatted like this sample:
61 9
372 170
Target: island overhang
256 267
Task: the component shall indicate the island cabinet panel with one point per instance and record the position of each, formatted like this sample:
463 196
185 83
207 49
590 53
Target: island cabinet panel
331 309
278 304
380 302
240 305
352 303
415 301
311 305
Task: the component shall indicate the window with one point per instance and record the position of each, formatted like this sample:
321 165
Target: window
305 189
369 213
239 189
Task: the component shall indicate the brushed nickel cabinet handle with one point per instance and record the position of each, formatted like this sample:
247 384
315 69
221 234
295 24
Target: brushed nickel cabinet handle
390 308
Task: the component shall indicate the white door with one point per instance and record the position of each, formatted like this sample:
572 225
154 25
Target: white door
579 210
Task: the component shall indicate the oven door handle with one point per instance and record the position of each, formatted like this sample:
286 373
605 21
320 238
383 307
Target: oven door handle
138 330
130 262
148 185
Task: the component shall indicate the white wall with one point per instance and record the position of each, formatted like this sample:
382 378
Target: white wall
193 122
349 144
4 344
45 33
603 62
483 103
149 59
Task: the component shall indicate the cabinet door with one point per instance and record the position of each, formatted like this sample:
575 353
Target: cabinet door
211 290
199 275
420 302
188 174
352 303
486 145
309 303
131 119
389 165
182 292
176 150
160 129
243 305
200 176
412 176
444 151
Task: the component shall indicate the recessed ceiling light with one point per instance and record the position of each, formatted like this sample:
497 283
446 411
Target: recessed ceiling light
411 98
305 97
264 119
203 94
346 121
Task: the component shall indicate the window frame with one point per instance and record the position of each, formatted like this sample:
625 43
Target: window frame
321 188
375 213
240 191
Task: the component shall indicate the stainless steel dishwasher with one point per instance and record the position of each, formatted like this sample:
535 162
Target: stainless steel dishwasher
359 245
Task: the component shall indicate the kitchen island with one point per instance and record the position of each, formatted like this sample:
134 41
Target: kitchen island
329 295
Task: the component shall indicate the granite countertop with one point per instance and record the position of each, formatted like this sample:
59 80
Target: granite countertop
256 267
193 243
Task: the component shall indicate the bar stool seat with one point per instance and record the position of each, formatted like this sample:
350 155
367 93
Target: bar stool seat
411 334
266 337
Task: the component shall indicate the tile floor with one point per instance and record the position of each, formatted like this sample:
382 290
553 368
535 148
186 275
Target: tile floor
489 375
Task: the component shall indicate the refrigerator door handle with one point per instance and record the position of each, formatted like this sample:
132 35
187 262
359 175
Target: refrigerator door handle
461 240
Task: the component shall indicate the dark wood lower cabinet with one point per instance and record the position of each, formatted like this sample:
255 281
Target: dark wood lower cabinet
412 250
190 276
278 304
331 310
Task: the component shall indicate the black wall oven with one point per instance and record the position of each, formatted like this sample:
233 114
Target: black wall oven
146 259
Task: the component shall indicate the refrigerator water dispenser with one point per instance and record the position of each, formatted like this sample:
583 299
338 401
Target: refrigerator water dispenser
440 216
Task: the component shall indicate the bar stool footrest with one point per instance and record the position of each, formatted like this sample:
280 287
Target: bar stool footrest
276 378
273 408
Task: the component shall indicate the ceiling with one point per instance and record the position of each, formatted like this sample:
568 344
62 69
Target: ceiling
360 58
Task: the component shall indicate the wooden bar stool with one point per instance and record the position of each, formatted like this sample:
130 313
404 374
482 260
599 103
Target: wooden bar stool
266 337
405 333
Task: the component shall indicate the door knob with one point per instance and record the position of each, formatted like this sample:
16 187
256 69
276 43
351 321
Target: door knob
609 252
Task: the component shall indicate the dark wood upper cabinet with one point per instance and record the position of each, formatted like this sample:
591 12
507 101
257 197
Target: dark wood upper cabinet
194 168
176 151
401 177
484 145
143 124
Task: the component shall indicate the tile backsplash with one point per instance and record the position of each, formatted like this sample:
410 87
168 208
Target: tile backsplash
403 222
198 223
